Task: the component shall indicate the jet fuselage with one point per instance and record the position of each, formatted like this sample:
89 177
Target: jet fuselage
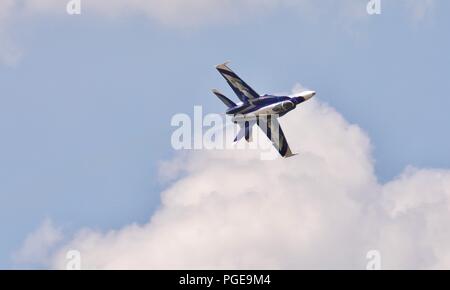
267 105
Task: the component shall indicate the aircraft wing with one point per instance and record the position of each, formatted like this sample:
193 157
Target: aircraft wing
244 92
271 127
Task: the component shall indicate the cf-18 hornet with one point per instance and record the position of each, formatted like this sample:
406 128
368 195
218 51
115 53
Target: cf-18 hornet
262 110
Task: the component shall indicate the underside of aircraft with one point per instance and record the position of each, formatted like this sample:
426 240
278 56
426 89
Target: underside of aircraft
260 110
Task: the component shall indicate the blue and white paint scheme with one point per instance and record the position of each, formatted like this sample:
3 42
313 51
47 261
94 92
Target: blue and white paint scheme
262 110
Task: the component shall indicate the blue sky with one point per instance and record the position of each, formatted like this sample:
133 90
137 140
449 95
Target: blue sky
85 113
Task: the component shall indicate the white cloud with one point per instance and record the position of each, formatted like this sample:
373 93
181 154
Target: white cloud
37 246
321 209
417 233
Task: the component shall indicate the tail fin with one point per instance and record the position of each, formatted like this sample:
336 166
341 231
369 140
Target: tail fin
229 103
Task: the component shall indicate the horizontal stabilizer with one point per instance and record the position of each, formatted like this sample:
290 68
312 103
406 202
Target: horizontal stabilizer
229 103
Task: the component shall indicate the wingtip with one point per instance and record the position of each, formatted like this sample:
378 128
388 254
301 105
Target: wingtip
222 64
216 92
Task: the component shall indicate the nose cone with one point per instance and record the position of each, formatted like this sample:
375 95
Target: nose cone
308 94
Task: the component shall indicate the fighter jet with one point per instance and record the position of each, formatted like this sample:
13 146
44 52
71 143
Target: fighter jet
262 110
